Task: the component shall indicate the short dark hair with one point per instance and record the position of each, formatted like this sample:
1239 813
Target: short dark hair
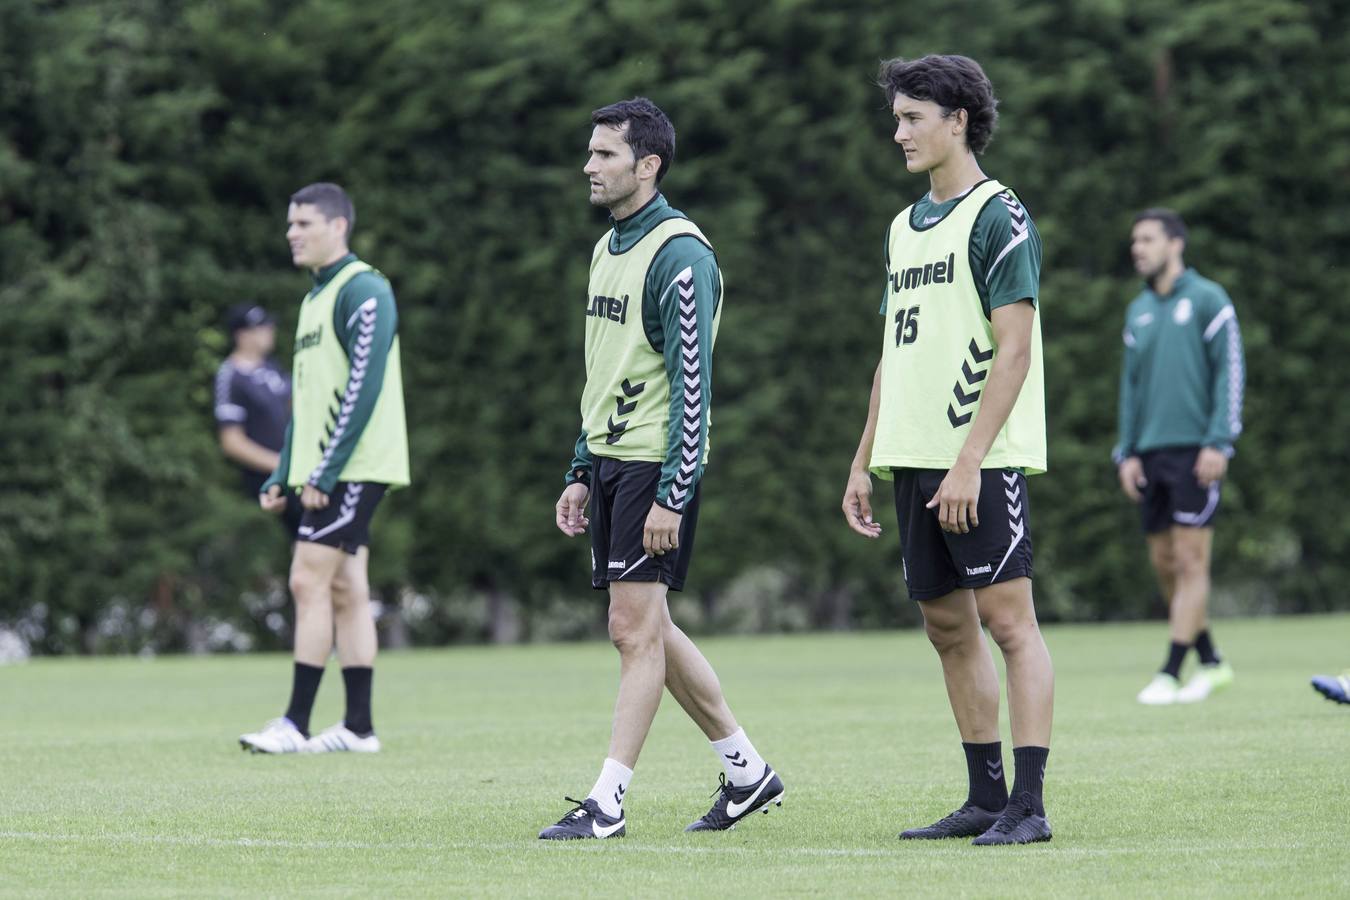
952 82
650 132
1172 224
331 200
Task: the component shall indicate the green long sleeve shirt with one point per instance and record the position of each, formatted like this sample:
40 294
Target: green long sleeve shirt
661 323
361 392
1183 376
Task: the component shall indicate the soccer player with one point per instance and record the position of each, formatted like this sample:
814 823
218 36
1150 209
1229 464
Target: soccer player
1180 413
652 310
346 445
253 403
957 420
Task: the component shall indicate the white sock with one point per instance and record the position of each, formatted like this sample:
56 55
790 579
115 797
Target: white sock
611 787
743 763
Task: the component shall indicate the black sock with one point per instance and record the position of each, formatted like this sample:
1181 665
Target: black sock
984 764
1029 763
1205 647
357 719
304 686
1175 656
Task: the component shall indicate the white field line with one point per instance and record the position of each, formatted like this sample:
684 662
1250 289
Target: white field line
614 846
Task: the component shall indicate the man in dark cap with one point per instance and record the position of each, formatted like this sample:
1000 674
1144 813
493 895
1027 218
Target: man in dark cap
253 402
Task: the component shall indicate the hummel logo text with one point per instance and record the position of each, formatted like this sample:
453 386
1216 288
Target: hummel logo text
618 563
980 570
943 271
310 339
611 308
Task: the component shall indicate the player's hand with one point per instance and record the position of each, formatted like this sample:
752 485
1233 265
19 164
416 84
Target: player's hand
313 498
957 499
858 504
571 509
273 501
661 531
1131 473
1210 466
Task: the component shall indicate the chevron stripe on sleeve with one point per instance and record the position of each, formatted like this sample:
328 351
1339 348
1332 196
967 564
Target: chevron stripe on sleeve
340 417
1229 378
1021 231
691 388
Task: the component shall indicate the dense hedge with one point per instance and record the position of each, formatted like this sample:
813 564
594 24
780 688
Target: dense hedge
147 148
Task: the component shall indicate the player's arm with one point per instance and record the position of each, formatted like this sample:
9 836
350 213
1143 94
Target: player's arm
858 492
688 289
570 510
1223 347
582 462
272 494
1129 468
365 321
1008 262
959 493
237 446
231 416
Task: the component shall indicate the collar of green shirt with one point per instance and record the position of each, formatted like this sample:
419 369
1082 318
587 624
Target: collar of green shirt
1183 280
325 274
630 230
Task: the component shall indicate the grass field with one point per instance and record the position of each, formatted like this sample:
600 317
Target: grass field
122 777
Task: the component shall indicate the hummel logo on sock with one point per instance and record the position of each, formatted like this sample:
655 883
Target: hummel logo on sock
734 757
618 796
995 767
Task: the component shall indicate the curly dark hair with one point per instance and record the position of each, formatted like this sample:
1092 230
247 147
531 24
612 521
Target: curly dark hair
952 82
650 132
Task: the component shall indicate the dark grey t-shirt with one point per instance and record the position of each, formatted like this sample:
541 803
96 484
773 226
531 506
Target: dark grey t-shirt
259 400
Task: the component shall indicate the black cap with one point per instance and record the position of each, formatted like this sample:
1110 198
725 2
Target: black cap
246 315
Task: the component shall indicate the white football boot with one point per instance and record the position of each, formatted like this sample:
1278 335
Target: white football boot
1161 691
1205 681
277 736
341 739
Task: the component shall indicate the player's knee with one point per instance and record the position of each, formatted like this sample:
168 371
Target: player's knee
303 583
1189 563
1011 631
342 591
632 633
949 633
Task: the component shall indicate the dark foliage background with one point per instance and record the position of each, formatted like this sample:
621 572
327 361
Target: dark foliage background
147 148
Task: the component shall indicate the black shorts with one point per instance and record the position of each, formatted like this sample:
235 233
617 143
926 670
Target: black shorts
345 522
936 562
292 516
622 493
1172 496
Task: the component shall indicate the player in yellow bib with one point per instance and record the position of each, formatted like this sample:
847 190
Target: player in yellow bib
652 308
957 419
347 444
